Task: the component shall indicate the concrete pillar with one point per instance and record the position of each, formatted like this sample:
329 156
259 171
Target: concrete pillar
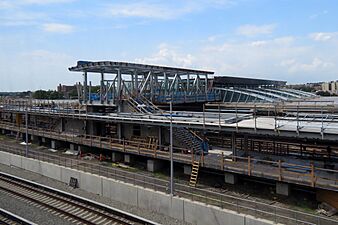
72 147
55 144
128 159
187 169
154 165
116 157
282 188
3 131
230 178
34 139
43 139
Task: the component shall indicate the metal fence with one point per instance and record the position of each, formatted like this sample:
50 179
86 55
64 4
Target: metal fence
250 207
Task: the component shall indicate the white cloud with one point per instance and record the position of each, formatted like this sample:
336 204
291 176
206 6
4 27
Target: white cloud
323 36
316 15
44 2
58 28
258 43
20 18
168 55
163 10
283 58
43 70
11 3
254 30
316 65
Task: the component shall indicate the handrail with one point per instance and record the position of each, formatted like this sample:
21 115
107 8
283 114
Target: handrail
238 163
276 213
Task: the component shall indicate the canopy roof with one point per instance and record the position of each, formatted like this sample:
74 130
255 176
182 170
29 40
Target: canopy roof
129 68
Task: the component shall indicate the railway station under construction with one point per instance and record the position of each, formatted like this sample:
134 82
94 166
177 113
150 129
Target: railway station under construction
239 127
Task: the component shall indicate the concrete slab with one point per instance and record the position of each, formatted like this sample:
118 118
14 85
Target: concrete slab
51 170
16 160
177 208
91 183
201 214
5 158
106 186
31 165
154 201
123 192
67 173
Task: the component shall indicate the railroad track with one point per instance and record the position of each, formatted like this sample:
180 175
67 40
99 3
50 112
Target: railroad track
9 218
70 207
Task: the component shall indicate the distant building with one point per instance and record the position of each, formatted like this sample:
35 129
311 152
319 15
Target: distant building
66 90
331 86
309 87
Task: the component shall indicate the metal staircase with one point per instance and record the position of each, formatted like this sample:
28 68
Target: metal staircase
194 173
142 105
188 139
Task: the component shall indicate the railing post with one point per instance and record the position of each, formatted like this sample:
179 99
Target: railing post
222 161
192 156
280 170
202 158
124 145
155 152
138 148
312 175
249 166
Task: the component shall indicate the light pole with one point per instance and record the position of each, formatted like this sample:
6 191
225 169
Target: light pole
171 152
26 118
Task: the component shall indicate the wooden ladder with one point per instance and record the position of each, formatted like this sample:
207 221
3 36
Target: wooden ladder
194 173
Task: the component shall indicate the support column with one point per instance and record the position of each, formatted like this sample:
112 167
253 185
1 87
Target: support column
128 159
85 87
119 90
72 146
34 139
154 165
187 169
282 188
230 178
55 144
101 88
116 157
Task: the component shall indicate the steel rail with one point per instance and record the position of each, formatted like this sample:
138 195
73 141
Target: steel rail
9 218
66 204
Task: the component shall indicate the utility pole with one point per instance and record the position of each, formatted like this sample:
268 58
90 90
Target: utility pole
171 151
26 118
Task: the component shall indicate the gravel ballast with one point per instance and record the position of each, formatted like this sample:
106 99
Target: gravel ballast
41 217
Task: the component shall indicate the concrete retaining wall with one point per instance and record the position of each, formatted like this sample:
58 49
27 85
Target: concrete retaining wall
183 209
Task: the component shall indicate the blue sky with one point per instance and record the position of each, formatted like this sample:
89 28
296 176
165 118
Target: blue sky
293 40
